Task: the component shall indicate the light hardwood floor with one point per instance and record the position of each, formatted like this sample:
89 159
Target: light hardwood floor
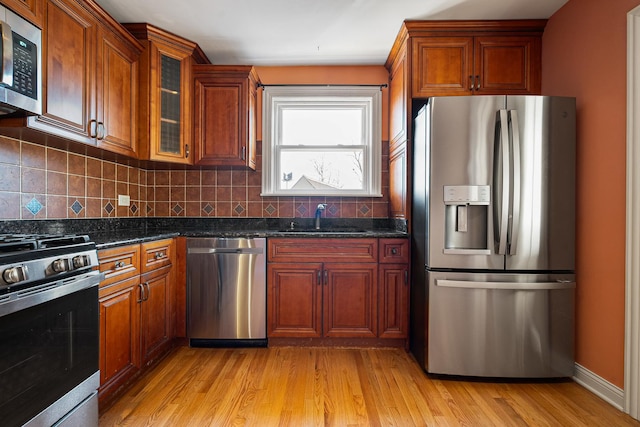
298 386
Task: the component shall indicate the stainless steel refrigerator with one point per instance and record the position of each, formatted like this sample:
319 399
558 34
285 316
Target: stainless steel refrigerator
493 236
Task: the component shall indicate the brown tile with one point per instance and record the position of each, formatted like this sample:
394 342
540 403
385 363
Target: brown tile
192 178
223 209
254 210
177 194
122 211
94 168
208 209
239 210
10 205
134 191
134 176
193 209
286 208
94 187
380 210
94 207
348 209
193 194
239 178
253 194
223 177
178 178
56 160
364 210
77 164
122 173
209 177
56 184
151 193
34 156
109 207
223 194
109 171
77 185
239 194
176 209
162 194
56 207
9 151
208 194
9 177
108 189
254 179
161 178
122 188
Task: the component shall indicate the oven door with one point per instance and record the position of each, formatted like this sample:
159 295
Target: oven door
48 348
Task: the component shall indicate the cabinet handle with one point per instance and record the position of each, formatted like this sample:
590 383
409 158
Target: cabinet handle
477 83
406 277
186 151
326 277
141 286
319 277
119 264
146 285
159 255
93 128
101 131
472 85
244 152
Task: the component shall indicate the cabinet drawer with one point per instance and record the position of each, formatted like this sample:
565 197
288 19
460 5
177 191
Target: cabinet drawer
156 254
119 263
394 251
323 250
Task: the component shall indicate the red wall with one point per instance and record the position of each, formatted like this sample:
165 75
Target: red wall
584 55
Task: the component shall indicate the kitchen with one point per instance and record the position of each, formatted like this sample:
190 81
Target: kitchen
582 42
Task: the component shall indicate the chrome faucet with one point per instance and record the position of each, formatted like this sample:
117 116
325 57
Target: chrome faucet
319 209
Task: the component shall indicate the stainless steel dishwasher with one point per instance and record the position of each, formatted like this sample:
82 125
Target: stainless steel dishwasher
226 292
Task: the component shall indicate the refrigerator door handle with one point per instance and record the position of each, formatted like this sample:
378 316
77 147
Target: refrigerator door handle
514 223
520 286
502 153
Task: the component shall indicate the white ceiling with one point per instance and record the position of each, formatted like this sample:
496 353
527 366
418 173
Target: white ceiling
308 32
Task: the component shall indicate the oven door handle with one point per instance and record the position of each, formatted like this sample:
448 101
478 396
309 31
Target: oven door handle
20 300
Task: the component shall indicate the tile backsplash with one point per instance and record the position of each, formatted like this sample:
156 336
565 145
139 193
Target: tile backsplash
38 182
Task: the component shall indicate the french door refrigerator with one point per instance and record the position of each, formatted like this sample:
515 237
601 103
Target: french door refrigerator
493 236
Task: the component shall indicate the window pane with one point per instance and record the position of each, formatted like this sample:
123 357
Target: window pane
322 126
331 170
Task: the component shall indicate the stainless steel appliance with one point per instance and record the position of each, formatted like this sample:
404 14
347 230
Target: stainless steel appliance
48 330
226 292
493 236
20 65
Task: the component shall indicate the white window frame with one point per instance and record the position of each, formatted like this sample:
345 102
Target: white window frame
277 98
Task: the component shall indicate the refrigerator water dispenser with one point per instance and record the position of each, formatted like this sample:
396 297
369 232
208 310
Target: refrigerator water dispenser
466 219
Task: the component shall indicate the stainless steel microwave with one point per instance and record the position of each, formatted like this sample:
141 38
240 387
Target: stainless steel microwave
21 66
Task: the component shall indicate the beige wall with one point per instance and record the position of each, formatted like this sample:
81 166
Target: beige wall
584 55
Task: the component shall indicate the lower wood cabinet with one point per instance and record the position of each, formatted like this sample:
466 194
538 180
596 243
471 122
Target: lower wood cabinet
136 311
337 288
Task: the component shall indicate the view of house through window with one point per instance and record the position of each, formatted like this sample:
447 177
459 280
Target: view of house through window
321 141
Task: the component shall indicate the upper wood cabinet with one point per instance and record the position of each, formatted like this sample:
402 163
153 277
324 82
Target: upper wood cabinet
32 10
488 65
89 77
225 115
165 101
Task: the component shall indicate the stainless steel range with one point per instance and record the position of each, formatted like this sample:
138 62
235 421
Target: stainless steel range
49 330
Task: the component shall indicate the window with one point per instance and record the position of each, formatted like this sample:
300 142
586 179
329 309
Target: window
321 141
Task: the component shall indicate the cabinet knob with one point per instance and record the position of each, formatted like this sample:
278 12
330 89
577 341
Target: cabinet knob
394 251
186 151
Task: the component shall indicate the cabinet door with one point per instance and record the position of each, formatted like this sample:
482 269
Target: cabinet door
155 313
398 179
170 104
68 72
33 10
294 300
398 106
442 66
350 300
117 94
119 334
225 115
507 65
393 296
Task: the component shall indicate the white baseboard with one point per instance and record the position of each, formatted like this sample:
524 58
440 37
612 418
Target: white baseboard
599 386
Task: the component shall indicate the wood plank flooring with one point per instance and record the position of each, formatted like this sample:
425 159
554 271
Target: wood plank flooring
298 386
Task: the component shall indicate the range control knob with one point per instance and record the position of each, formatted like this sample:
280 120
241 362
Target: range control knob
60 265
15 274
80 261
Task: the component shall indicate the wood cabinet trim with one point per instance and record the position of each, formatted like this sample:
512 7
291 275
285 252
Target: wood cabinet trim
322 249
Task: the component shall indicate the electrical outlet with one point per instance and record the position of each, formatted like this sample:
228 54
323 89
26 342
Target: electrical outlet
123 200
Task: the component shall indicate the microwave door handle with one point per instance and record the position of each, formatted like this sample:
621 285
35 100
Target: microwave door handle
502 134
7 54
515 207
